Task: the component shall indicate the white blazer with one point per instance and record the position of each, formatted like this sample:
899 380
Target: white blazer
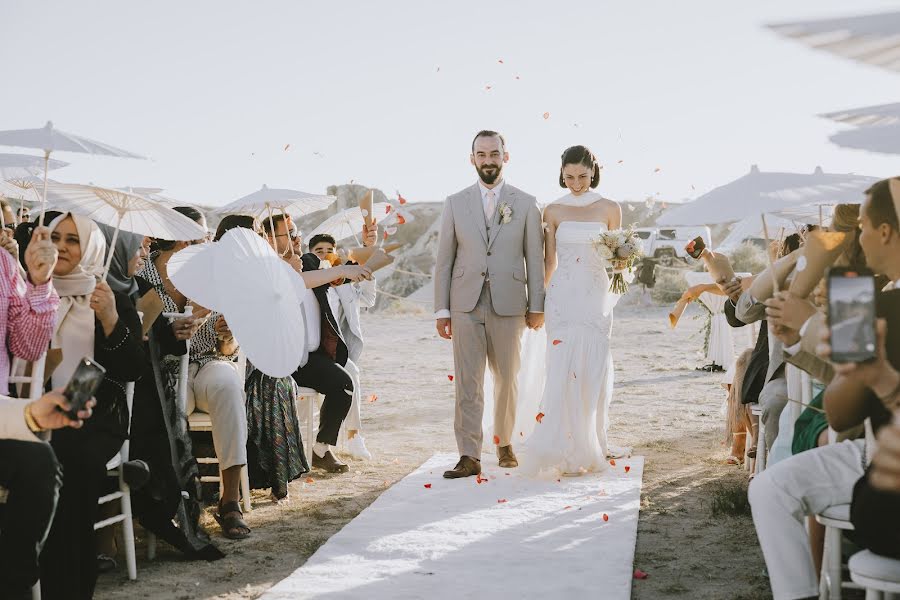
353 296
12 421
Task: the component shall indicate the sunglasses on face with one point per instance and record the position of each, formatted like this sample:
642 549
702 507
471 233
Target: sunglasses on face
293 234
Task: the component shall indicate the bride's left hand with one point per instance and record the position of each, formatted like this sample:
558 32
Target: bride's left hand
534 320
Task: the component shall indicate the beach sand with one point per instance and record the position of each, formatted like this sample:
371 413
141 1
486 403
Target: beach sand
663 408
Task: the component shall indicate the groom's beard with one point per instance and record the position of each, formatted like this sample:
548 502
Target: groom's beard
490 175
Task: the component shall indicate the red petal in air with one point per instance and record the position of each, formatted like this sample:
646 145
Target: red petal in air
401 220
487 88
427 486
400 198
385 235
546 116
566 507
538 417
638 574
621 161
605 517
557 342
612 462
627 468
502 501
450 377
500 61
373 398
387 209
286 146
496 440
310 480
657 170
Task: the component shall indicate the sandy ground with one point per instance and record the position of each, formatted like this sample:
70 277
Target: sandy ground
668 412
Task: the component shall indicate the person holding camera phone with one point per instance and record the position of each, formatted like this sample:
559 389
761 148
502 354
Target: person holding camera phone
809 482
31 476
97 323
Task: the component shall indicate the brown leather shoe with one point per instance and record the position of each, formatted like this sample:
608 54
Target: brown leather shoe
329 463
466 467
507 458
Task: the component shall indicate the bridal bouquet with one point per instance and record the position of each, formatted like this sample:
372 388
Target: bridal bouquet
621 248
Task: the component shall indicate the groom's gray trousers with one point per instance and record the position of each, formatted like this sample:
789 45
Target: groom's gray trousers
482 336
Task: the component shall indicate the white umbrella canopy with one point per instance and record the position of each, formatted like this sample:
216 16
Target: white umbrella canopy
49 139
883 139
769 193
123 210
870 39
349 222
883 114
19 189
265 200
751 228
258 293
20 166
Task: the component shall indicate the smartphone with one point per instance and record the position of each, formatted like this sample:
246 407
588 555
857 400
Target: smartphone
695 247
851 315
83 385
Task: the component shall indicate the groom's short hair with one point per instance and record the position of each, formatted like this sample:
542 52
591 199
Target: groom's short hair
489 133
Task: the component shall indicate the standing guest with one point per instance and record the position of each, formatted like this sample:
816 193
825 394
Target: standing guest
214 385
92 321
27 306
350 299
275 454
326 352
31 476
288 239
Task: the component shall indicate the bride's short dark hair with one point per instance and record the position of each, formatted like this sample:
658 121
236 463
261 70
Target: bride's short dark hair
580 155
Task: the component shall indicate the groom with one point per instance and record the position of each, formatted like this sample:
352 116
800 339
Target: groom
489 272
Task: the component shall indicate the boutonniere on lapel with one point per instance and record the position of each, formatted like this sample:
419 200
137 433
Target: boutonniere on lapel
505 213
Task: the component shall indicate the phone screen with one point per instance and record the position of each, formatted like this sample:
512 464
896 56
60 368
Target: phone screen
696 247
851 316
83 385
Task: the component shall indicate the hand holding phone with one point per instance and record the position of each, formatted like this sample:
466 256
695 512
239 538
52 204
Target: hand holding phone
851 315
82 386
695 247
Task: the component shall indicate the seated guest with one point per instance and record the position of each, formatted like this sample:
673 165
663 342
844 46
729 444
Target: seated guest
351 298
812 481
31 477
92 321
327 353
214 385
876 497
275 454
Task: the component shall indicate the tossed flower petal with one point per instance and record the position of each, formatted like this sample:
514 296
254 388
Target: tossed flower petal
450 377
627 468
496 440
638 574
605 517
310 480
557 342
373 398
538 417
502 501
427 486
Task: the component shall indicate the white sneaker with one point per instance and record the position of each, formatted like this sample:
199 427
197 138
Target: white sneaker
357 448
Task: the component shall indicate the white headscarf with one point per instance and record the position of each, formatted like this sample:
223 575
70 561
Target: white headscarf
74 332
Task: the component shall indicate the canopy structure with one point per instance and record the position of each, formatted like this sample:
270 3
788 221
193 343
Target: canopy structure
773 193
870 39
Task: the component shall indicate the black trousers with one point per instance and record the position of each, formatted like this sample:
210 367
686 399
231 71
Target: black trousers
327 377
69 557
876 519
30 473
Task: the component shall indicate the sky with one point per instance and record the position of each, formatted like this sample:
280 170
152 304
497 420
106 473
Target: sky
227 96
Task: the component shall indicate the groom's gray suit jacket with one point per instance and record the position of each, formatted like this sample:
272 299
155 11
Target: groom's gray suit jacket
510 255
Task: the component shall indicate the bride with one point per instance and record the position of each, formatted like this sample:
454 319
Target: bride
569 436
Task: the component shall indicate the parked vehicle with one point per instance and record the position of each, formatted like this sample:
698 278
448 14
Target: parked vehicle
666 244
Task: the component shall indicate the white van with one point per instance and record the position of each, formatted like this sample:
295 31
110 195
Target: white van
667 243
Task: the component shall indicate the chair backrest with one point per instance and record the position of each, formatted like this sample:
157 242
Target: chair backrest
35 380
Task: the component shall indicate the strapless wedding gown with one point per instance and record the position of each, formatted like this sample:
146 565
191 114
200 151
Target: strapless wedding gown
571 437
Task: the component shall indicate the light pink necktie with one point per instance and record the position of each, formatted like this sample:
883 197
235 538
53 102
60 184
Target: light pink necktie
490 205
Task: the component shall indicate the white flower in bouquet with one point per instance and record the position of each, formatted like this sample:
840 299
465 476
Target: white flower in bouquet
605 252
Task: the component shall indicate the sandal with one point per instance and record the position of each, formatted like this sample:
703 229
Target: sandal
231 520
733 460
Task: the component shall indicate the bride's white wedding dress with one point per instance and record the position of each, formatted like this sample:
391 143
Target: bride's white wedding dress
572 434
567 369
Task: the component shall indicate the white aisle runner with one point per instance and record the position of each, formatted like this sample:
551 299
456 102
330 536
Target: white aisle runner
506 537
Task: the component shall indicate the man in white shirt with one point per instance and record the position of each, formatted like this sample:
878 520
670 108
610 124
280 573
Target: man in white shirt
30 478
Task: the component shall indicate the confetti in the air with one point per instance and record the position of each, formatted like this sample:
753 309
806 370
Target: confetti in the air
500 61
605 517
450 377
373 398
427 486
387 209
546 116
557 342
620 161
401 220
496 440
502 500
538 417
638 574
487 88
657 170
310 480
286 146
400 198
612 462
627 468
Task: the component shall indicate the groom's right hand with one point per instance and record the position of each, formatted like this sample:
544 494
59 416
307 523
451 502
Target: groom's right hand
445 329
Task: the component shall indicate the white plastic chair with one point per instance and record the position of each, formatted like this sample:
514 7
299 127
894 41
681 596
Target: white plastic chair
836 520
879 575
313 399
115 468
